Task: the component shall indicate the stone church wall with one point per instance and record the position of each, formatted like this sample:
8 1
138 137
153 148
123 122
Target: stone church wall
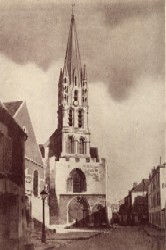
94 172
64 201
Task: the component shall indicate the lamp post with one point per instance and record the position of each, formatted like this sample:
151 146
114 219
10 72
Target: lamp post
44 195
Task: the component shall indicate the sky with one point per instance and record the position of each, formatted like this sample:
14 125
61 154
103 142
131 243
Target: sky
122 44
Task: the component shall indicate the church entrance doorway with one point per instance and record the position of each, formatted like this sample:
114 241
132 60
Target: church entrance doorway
78 211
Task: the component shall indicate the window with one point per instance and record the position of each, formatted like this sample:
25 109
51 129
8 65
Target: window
70 149
82 146
25 130
76 182
6 144
35 183
80 118
70 122
158 198
75 95
75 81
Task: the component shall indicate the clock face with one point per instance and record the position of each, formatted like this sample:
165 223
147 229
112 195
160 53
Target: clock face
75 103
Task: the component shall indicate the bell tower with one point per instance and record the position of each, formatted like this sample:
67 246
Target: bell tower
73 101
76 175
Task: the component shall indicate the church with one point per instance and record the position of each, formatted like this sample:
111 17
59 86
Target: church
75 174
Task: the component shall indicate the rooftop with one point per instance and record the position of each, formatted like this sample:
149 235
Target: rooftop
12 107
142 186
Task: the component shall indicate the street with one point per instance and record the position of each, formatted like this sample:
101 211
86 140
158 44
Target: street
125 238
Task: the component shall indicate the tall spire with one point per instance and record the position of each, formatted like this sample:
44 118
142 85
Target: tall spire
72 65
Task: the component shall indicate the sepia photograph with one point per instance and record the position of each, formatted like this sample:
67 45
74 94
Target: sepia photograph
82 125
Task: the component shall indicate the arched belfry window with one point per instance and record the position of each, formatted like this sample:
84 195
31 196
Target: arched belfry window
75 81
70 144
75 95
76 181
35 183
70 122
82 146
80 118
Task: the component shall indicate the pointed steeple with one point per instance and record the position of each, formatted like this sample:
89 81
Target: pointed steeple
72 65
84 75
73 101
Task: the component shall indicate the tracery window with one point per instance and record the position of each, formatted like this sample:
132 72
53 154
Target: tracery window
76 182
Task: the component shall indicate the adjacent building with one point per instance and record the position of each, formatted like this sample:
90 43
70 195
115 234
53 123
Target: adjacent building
139 202
134 210
76 175
13 222
157 197
34 169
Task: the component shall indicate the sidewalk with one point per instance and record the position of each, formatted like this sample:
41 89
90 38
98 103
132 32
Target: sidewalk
150 231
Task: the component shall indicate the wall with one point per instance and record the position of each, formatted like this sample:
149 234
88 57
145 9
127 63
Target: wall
36 208
157 212
94 172
59 195
64 201
163 187
136 194
12 187
33 161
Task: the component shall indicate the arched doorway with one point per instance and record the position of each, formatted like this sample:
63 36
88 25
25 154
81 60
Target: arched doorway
78 211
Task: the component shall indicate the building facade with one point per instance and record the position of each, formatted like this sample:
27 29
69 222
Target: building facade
34 168
75 174
134 210
13 222
157 197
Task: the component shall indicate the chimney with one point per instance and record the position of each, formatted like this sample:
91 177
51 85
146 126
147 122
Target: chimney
135 184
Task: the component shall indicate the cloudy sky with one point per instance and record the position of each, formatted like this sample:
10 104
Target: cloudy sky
122 44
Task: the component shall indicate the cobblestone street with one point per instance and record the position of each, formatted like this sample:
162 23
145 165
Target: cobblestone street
125 238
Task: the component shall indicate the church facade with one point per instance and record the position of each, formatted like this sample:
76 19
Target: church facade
75 174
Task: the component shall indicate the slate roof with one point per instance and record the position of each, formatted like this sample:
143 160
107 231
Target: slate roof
143 186
23 119
12 107
8 120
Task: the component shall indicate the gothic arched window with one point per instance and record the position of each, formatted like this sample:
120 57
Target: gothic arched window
76 182
35 183
75 80
70 145
82 146
76 95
